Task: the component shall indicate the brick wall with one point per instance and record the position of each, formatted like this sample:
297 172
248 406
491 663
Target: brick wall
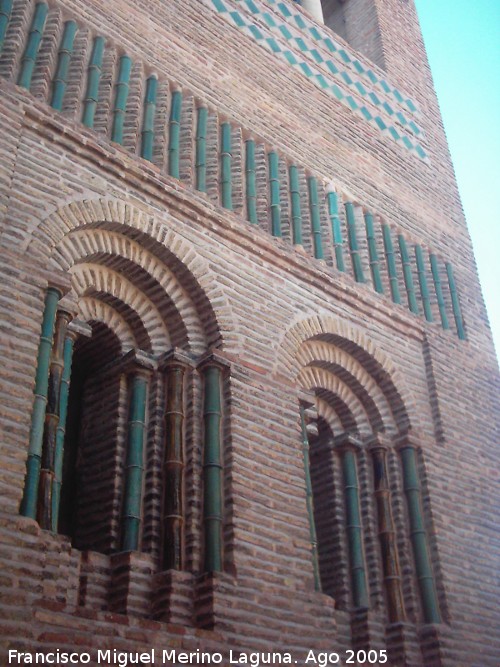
162 265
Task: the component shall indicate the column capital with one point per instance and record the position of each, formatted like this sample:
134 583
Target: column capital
307 397
407 439
213 358
78 328
176 357
378 441
59 282
347 440
133 362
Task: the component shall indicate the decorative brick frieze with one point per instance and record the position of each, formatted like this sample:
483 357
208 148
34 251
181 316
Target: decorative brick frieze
156 268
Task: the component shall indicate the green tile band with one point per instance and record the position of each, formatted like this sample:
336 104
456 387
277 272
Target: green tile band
315 218
174 133
5 12
93 80
425 578
226 159
333 213
353 243
29 501
373 254
274 192
439 292
134 466
148 121
310 501
64 58
61 431
407 275
212 469
422 280
251 189
457 312
201 149
391 264
293 173
33 44
121 96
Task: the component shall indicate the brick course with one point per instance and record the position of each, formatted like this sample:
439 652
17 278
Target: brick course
147 257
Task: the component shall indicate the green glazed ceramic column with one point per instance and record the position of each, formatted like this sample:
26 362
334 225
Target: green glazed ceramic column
407 275
293 173
333 213
391 264
93 79
226 159
408 451
212 465
309 499
148 121
5 12
61 427
373 254
348 446
274 193
63 61
29 501
121 96
439 291
315 219
353 243
52 413
457 313
251 188
201 149
33 44
174 134
134 466
422 280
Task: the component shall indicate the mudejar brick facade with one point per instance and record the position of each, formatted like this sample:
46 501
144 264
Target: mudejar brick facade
249 393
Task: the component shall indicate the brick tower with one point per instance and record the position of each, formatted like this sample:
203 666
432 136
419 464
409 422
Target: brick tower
248 387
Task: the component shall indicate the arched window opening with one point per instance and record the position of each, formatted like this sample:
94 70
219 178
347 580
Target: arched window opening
94 443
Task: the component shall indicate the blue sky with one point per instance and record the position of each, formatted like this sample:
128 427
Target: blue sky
462 39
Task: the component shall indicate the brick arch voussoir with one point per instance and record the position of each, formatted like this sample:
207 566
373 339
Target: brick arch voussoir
328 413
357 344
320 353
87 277
111 248
319 378
222 331
90 308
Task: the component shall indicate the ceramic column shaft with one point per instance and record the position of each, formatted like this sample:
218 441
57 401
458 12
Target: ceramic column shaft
173 469
309 500
52 413
387 535
29 501
61 429
212 469
134 467
63 62
33 44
